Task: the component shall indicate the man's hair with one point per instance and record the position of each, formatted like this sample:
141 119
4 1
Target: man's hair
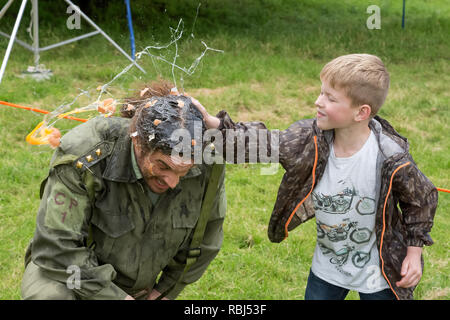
157 112
363 77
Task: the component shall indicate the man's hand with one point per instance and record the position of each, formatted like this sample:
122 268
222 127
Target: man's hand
155 294
211 121
152 296
411 268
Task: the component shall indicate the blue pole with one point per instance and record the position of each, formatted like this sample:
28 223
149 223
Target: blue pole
130 26
403 15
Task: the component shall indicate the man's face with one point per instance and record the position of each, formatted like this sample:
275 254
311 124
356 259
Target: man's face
334 108
161 171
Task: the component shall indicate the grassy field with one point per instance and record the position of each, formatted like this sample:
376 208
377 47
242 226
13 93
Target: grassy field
273 53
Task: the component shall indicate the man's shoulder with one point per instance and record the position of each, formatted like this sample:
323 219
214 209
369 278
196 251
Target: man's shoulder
203 171
84 137
90 142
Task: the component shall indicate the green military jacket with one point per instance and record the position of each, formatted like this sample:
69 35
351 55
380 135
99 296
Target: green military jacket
99 215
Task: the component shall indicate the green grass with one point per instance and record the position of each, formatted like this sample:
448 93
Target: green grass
274 51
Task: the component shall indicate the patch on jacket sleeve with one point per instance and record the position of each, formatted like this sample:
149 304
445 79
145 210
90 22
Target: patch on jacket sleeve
65 209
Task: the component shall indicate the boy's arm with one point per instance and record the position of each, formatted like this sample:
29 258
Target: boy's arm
418 199
248 142
242 142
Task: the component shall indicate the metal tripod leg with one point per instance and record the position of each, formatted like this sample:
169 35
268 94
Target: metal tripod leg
11 40
35 46
77 10
35 32
5 7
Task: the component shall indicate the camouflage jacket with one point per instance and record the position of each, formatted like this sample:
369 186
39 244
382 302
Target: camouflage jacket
406 201
120 239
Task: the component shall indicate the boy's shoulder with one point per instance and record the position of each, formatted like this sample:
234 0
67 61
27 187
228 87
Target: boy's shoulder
295 142
298 132
304 126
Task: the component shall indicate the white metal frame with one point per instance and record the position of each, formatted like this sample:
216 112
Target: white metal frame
35 46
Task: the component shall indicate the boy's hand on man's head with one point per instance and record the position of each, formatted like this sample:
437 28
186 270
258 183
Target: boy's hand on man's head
211 121
411 268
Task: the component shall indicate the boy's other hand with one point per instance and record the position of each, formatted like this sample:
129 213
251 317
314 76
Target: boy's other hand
411 268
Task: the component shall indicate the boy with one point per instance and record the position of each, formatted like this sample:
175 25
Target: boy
351 170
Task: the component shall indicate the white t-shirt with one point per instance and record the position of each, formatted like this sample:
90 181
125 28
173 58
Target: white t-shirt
346 253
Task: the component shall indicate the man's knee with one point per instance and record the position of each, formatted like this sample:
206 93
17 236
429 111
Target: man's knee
36 286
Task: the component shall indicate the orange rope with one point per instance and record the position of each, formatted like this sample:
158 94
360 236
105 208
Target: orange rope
38 110
84 120
443 190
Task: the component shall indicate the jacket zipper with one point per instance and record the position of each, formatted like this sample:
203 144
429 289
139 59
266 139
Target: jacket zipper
384 226
316 156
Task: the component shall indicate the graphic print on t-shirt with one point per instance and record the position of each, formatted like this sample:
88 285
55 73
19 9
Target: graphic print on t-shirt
341 232
341 202
336 204
346 231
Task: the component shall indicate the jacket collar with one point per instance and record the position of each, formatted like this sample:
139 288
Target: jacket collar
119 166
389 140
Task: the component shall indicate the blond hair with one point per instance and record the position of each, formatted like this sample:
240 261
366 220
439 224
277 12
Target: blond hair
363 77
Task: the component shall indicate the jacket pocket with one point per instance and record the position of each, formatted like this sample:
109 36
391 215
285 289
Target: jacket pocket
107 228
114 225
186 209
111 212
184 220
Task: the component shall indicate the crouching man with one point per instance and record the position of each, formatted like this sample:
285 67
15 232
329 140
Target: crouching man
118 208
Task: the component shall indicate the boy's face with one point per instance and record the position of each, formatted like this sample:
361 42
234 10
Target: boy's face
334 108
